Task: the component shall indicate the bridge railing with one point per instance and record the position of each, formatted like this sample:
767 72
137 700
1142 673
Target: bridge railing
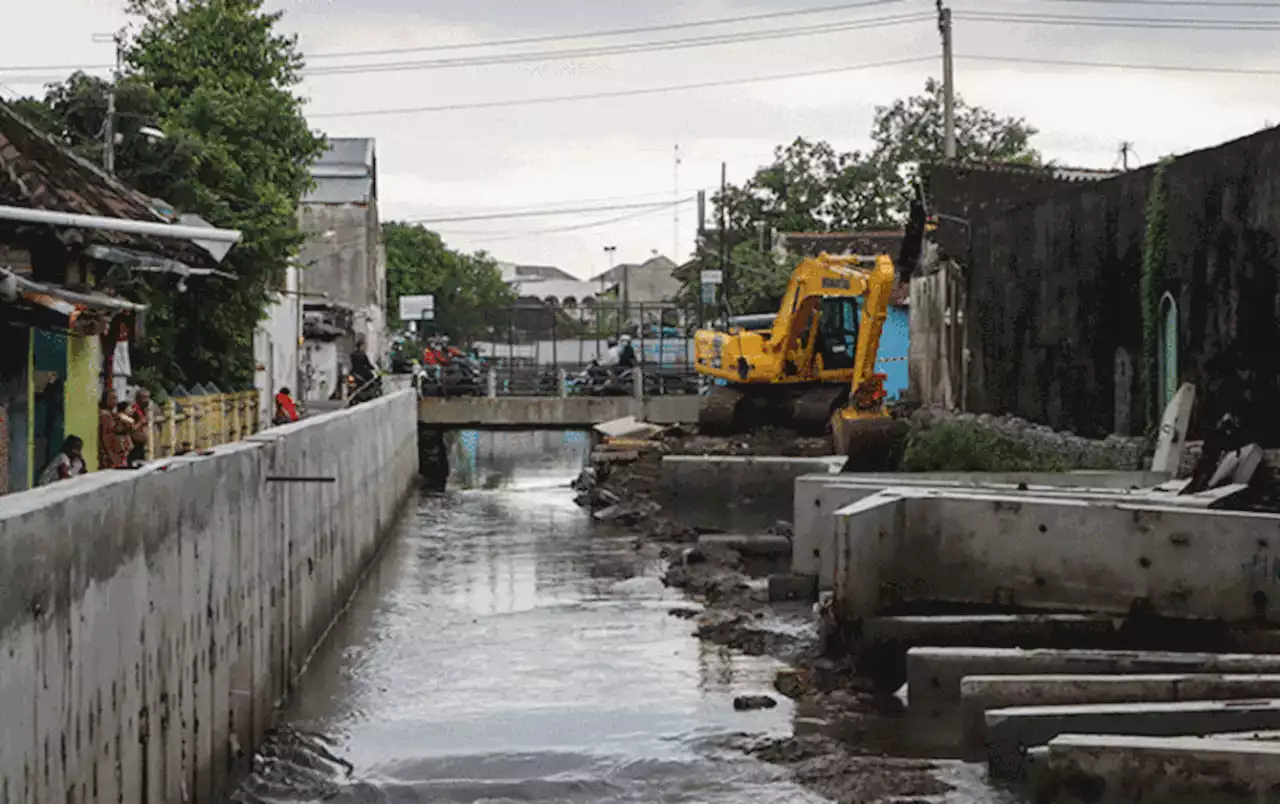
543 347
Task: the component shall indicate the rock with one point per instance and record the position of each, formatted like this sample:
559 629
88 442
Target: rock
684 613
746 702
610 514
790 683
694 556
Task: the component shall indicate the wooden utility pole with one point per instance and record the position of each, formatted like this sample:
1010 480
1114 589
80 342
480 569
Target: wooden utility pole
948 84
109 126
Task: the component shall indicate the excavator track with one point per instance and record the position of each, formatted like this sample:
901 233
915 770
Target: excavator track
811 407
719 413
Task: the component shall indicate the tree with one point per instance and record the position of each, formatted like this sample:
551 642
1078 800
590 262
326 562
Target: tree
756 280
911 131
468 288
218 81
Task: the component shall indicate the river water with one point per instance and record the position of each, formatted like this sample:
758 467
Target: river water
504 649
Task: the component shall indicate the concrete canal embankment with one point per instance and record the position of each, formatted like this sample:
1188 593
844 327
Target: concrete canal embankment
151 620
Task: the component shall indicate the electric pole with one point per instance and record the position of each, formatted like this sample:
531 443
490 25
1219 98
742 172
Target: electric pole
1125 148
948 85
675 232
109 125
724 235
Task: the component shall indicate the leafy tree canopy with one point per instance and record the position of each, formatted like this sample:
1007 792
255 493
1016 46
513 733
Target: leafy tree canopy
810 186
468 288
218 80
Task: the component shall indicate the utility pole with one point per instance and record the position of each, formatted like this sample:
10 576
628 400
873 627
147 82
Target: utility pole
1125 148
948 84
724 235
109 125
675 232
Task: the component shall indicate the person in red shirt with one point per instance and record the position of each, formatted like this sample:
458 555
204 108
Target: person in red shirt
286 409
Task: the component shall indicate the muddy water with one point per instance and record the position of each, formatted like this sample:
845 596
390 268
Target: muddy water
505 650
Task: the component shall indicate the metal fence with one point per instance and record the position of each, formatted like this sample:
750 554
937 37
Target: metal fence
544 349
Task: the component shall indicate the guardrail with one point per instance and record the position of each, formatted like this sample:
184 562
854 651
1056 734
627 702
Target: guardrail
196 423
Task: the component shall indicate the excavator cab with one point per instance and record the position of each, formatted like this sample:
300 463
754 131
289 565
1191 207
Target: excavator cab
838 332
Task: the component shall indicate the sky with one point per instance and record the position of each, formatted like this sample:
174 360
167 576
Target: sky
607 155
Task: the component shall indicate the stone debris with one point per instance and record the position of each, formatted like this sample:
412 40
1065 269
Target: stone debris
747 702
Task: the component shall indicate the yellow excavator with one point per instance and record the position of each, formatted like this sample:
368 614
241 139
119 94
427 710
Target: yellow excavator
812 365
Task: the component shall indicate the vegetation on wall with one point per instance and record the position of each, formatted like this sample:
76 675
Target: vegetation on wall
1155 249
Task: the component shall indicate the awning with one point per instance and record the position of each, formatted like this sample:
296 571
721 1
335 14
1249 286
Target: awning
141 261
60 300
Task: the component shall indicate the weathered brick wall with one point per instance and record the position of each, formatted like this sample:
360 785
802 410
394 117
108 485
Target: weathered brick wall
1054 293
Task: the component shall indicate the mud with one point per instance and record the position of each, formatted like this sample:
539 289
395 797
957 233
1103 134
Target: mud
843 756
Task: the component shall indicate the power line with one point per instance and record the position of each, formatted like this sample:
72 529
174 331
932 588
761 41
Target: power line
625 93
530 40
1177 3
577 227
1173 68
1149 23
675 26
545 213
666 198
623 49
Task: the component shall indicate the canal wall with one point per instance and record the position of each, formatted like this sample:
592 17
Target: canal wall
150 621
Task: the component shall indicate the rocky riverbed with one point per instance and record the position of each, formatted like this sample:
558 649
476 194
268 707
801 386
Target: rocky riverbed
849 749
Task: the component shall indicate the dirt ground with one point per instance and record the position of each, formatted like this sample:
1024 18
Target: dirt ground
840 759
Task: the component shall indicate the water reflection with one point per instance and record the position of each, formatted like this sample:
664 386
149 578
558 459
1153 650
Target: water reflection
507 649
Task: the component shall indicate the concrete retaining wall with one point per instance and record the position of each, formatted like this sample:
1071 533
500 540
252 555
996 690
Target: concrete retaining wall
819 496
961 546
735 493
150 620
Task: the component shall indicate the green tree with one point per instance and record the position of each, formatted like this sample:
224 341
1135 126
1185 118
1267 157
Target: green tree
911 131
757 280
219 81
470 296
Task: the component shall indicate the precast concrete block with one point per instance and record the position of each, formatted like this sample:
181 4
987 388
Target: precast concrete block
735 492
792 587
819 496
935 675
1036 551
1118 769
1010 732
978 694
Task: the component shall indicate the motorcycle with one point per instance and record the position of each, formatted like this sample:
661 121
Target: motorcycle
358 392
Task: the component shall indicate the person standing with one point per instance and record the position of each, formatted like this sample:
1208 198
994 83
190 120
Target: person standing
140 413
113 434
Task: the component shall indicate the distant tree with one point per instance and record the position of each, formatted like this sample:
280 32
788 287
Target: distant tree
470 296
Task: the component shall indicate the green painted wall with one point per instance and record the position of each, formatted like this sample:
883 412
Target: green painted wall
84 364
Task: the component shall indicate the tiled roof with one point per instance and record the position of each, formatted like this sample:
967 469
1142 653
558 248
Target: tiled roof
37 171
1058 172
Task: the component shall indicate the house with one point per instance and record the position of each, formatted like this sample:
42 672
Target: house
343 281
71 237
1060 329
648 282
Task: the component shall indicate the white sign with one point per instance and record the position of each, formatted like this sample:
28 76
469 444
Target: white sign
713 276
417 308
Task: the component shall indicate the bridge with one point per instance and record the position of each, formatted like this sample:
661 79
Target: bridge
553 413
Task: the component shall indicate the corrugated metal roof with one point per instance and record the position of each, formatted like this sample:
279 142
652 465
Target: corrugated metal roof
344 174
348 151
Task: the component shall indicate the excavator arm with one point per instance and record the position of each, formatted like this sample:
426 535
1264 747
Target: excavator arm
813 278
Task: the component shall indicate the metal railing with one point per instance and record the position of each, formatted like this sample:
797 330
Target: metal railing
200 422
543 348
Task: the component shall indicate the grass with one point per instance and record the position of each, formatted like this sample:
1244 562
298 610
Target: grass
957 448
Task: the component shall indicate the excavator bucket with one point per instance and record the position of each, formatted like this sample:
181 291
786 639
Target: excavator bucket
869 443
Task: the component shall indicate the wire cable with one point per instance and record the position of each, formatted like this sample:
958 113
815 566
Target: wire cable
543 213
1175 68
622 49
1136 23
575 227
624 93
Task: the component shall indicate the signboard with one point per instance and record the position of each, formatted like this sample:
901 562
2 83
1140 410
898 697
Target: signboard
708 293
713 276
417 308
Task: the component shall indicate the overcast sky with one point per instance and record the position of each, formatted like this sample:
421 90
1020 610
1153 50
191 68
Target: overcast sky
621 151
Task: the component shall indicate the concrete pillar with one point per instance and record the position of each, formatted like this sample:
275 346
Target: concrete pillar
637 380
493 383
562 383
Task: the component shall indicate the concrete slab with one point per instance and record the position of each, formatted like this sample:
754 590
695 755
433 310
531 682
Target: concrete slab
1010 732
551 413
1154 770
626 427
735 493
819 496
981 693
935 675
1172 439
950 546
792 587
